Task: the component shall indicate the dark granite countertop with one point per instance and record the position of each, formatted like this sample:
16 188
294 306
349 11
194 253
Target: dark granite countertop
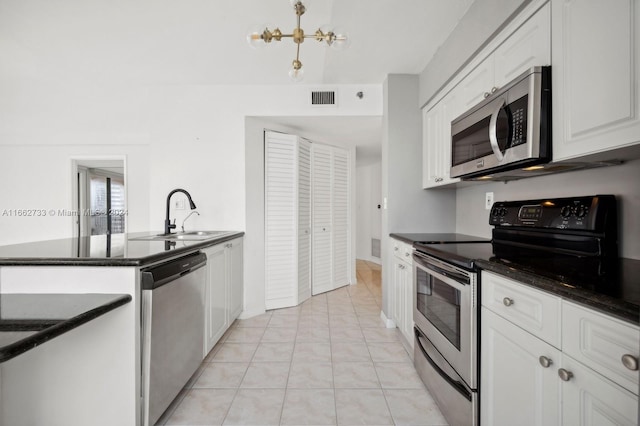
611 286
103 250
437 238
29 320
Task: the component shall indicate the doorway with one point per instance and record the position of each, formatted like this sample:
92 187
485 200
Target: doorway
99 196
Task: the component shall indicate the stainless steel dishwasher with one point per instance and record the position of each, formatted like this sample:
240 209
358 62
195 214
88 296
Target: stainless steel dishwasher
172 330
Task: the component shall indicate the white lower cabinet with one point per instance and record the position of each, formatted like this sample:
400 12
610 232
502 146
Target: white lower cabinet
591 399
526 379
515 388
402 289
223 289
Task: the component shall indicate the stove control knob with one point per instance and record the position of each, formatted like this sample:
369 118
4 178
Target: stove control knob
503 212
581 211
565 212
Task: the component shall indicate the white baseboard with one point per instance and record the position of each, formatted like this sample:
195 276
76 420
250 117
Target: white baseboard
250 314
389 323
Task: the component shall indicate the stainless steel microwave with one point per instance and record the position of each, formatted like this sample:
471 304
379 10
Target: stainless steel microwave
510 129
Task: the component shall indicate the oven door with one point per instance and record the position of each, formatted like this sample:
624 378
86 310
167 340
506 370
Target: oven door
445 311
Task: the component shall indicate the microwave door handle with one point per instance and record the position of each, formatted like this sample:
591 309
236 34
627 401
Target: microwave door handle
493 131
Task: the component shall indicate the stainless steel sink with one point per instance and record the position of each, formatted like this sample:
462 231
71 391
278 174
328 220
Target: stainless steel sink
183 236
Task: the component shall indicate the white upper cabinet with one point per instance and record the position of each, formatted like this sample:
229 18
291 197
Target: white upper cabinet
528 46
595 74
522 47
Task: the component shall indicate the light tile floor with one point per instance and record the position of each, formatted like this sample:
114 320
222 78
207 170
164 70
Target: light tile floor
328 361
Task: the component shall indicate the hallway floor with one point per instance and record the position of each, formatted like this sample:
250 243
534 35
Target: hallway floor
328 361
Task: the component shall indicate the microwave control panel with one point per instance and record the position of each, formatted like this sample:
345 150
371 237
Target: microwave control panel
577 213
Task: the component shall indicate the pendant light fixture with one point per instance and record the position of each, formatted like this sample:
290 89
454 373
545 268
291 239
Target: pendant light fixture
263 36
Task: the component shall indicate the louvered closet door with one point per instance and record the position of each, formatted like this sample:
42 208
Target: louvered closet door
304 220
340 217
281 220
322 276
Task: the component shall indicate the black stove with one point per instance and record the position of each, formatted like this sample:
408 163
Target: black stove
572 241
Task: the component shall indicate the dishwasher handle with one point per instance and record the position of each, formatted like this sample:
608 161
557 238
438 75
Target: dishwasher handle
159 275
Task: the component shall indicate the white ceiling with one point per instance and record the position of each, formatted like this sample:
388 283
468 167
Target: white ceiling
203 42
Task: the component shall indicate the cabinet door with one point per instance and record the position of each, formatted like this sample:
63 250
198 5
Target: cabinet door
432 120
528 46
216 318
451 110
398 294
235 278
476 84
601 342
596 83
516 388
591 399
406 282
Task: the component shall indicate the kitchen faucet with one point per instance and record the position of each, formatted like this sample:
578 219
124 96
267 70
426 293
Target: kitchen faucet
188 216
168 226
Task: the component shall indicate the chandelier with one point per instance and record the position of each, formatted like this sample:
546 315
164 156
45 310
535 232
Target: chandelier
263 36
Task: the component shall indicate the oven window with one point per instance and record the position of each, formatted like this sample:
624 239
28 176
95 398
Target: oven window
439 303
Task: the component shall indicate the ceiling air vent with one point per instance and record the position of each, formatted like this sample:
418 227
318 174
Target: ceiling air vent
325 98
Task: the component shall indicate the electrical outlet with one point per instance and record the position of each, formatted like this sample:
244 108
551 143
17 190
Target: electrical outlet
488 200
180 205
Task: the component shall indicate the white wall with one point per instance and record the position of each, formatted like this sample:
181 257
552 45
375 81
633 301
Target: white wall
621 181
368 215
409 207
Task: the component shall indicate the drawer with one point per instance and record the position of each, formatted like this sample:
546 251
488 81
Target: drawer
402 250
600 342
533 310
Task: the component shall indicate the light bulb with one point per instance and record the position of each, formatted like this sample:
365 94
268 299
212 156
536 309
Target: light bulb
296 75
340 39
255 36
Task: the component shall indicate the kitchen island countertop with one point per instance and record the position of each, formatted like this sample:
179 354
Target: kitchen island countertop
29 320
104 250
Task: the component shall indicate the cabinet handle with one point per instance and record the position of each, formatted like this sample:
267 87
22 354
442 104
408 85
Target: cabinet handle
630 361
507 301
486 95
407 254
395 249
565 375
401 266
544 361
494 89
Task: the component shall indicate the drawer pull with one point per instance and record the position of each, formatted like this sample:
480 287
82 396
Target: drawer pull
630 361
507 301
565 375
544 361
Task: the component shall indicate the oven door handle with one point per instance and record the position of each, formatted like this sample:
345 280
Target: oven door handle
457 385
441 269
